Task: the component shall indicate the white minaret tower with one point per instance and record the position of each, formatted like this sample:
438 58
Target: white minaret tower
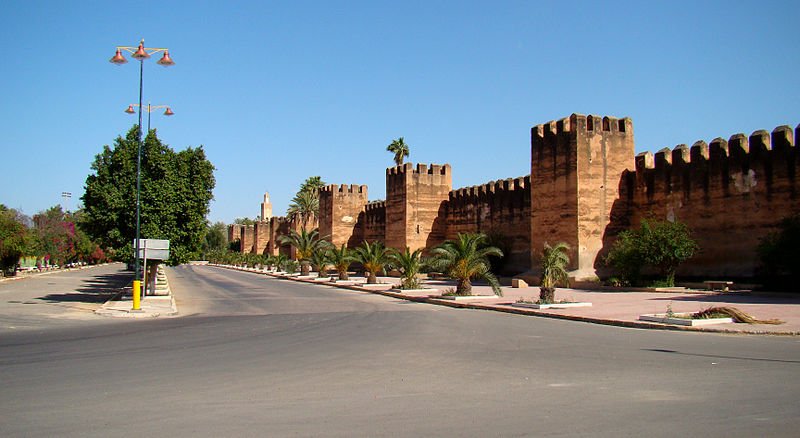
266 208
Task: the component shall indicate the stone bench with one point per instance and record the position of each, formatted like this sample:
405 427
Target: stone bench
722 285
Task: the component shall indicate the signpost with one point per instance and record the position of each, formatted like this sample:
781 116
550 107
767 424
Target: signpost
154 249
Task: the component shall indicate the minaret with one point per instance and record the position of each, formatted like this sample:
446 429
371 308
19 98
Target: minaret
266 208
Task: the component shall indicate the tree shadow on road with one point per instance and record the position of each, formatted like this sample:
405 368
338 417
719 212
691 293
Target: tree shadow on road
97 289
736 298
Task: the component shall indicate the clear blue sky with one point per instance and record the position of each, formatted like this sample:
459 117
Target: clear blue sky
278 91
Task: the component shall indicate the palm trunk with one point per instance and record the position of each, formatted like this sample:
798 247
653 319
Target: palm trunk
343 275
547 295
305 268
463 287
372 278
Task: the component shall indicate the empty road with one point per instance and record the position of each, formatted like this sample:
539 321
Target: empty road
255 356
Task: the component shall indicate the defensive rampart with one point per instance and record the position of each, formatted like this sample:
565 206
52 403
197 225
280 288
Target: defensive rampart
731 193
500 209
341 213
415 198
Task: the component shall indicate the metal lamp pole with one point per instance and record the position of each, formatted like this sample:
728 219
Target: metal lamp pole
140 53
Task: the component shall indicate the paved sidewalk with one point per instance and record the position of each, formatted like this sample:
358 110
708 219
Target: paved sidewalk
621 308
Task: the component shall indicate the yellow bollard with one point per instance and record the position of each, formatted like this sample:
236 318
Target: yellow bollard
137 290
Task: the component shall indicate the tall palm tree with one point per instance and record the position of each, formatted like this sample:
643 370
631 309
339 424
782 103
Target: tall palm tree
373 257
312 184
400 150
341 258
305 243
466 258
303 207
409 264
554 270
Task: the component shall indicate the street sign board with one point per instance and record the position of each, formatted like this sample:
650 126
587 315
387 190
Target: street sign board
153 249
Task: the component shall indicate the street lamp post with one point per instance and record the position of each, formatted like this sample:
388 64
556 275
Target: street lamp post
150 109
140 53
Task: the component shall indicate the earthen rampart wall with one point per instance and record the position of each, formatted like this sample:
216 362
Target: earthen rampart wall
500 209
730 193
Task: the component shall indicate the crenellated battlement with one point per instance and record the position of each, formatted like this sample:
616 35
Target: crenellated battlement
343 188
576 122
421 168
375 205
718 163
492 188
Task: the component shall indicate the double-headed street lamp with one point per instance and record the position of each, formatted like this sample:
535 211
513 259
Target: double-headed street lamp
150 108
140 53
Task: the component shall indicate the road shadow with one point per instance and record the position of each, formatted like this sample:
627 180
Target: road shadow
97 289
715 356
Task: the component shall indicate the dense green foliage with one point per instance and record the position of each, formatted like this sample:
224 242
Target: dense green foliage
216 238
779 254
373 257
466 258
409 264
400 150
176 188
13 239
661 245
52 237
555 260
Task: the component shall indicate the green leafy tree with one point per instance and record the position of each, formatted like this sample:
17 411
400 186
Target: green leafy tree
176 189
374 257
555 260
779 255
305 244
400 150
465 259
243 221
409 264
13 239
662 245
216 238
341 258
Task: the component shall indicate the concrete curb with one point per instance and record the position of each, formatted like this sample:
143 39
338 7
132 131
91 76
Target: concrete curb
507 308
152 306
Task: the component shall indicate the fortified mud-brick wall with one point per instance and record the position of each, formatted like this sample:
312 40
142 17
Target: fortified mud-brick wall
500 209
247 239
415 199
576 166
730 193
340 208
234 232
280 226
375 221
261 234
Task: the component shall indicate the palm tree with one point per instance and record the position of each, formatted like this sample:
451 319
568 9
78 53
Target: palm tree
280 261
304 206
400 150
312 184
554 270
305 243
466 258
341 259
373 257
319 260
409 264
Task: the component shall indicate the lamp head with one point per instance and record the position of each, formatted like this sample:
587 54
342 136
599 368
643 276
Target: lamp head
169 112
118 58
165 60
141 54
130 110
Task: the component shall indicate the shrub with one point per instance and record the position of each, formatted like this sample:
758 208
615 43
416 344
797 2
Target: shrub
779 256
662 245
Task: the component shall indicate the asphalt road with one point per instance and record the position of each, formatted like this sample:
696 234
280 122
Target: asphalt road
263 357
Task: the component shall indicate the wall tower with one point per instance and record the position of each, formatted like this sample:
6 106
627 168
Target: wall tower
415 204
